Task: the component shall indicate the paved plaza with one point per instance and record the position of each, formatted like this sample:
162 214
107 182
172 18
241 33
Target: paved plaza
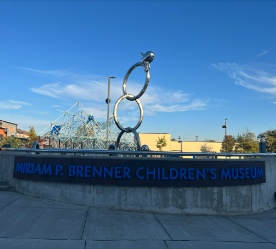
35 223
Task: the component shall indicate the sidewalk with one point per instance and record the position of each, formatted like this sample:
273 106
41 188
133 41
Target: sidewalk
36 223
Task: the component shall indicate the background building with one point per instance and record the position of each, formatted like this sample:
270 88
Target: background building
22 134
150 139
7 129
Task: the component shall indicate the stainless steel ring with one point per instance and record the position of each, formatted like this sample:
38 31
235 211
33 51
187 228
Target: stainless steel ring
128 131
146 66
116 117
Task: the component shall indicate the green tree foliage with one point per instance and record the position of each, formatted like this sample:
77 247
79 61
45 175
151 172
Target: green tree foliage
246 142
206 148
270 138
228 144
14 142
32 136
210 140
161 142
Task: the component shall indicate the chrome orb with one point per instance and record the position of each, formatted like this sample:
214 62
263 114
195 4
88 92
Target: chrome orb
145 148
147 57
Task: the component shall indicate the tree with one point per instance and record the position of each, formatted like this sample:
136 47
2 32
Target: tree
270 138
161 142
246 142
32 136
210 140
228 144
206 148
14 142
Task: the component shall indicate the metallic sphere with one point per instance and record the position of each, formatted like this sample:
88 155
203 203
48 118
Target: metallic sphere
111 147
144 148
35 145
148 57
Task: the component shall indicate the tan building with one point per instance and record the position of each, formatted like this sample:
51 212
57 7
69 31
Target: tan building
7 129
150 139
22 134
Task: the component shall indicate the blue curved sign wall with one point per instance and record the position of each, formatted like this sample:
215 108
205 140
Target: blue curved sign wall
131 171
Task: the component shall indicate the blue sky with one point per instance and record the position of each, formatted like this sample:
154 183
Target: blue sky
213 60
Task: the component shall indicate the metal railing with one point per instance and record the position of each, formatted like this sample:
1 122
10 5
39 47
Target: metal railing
154 154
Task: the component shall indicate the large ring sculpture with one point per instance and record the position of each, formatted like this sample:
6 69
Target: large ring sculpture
128 96
146 66
146 60
135 134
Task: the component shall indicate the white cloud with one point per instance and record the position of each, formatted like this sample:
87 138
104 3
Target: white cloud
7 105
252 77
56 73
17 102
177 107
163 100
25 121
13 104
97 111
93 92
264 52
53 90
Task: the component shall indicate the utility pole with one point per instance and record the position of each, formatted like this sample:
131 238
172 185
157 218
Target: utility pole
225 127
180 141
108 104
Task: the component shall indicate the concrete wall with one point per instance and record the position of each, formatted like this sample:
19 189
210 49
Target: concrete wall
197 200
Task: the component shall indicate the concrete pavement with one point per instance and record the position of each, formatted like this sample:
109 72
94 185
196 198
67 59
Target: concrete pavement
36 223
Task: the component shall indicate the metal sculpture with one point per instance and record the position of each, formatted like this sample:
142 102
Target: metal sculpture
77 129
146 60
